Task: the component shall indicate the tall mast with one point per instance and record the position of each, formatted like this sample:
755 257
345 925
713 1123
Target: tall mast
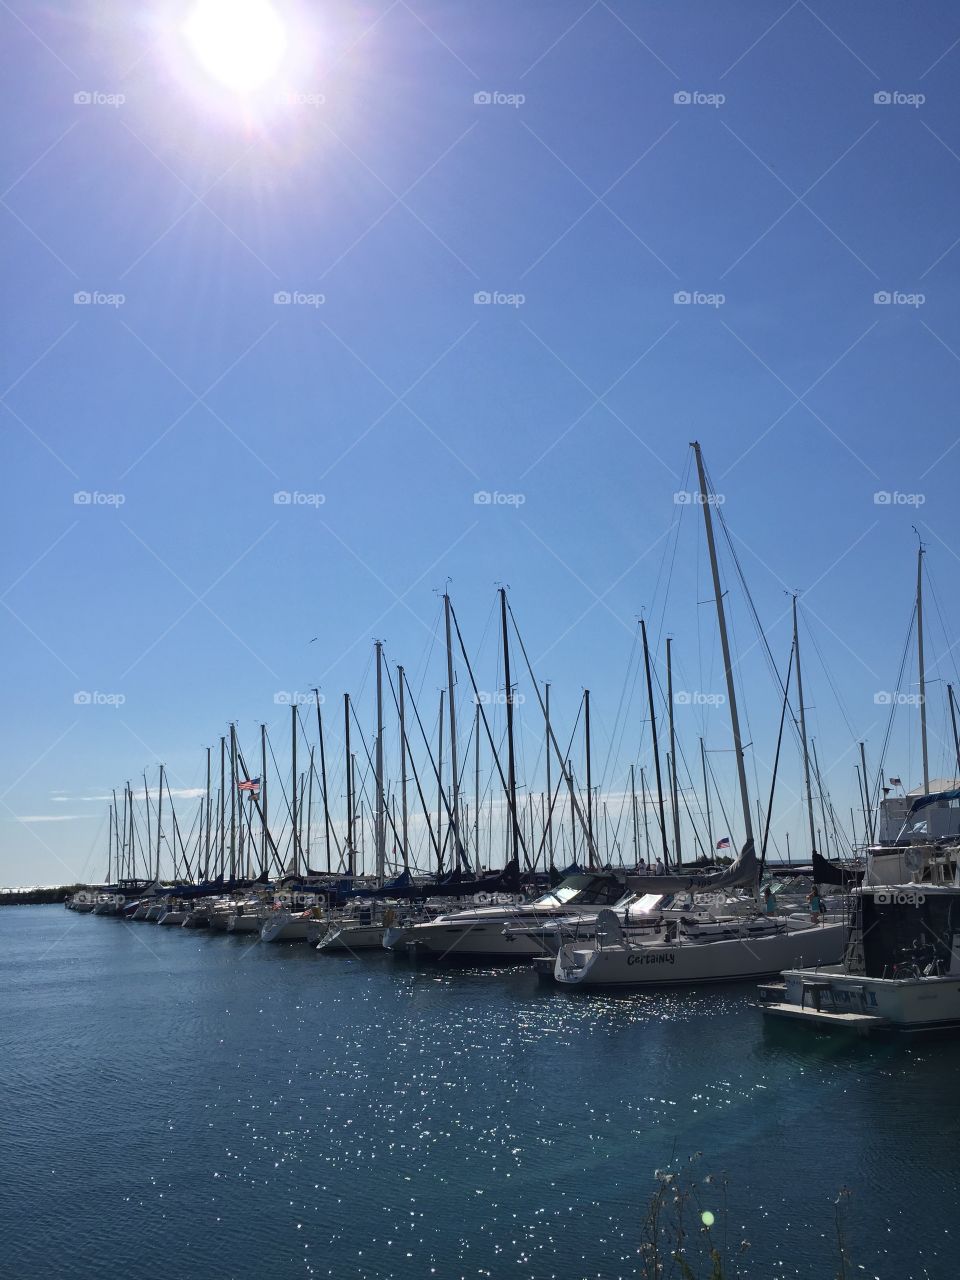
591 859
636 823
160 820
403 772
110 845
725 645
293 782
549 801
233 801
706 795
323 780
476 787
823 808
511 759
440 841
803 727
656 748
223 801
674 798
206 809
310 773
867 807
923 678
264 818
380 826
351 857
452 711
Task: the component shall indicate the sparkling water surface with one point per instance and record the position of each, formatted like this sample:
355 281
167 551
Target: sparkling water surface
178 1103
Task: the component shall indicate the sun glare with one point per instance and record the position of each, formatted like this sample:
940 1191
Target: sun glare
239 43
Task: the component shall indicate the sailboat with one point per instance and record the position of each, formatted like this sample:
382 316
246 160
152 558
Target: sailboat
738 948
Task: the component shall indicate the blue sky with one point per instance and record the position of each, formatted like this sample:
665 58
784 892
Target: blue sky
585 197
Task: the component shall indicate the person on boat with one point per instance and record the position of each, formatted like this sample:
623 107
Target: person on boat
641 867
660 867
769 901
816 904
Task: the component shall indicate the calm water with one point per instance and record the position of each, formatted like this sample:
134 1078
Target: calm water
177 1103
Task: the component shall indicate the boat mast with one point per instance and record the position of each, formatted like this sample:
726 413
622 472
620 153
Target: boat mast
476 787
264 824
725 645
440 795
511 759
656 748
452 711
323 779
803 727
643 805
636 820
223 802
233 802
674 799
549 816
159 820
380 827
923 679
403 772
294 783
206 809
591 859
867 807
110 845
351 856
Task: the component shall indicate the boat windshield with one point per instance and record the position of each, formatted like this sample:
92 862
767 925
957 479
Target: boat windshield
589 890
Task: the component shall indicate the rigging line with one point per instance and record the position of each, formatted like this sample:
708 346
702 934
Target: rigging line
428 654
951 648
717 793
616 722
808 631
416 775
875 799
676 523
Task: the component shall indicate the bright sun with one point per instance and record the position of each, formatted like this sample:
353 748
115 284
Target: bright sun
239 43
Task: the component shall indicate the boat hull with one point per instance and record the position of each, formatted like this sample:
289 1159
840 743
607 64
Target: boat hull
669 964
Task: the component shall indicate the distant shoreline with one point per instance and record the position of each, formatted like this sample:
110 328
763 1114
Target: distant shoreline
36 897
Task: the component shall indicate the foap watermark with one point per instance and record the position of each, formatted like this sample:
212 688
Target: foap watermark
86 498
95 298
893 498
494 298
696 98
301 898
685 498
895 298
299 98
97 98
498 899
694 698
494 498
884 698
497 698
290 698
296 298
694 298
895 98
88 698
494 98
294 498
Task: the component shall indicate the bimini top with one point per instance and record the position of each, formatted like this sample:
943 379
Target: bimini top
922 801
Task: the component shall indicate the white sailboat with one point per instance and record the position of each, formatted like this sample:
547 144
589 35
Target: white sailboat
741 948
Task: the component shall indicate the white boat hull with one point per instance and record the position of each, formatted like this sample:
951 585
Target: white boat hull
353 937
664 964
905 1004
284 928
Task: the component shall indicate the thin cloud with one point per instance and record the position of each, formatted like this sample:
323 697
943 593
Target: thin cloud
52 817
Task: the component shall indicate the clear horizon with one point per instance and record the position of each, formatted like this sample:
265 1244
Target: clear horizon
441 302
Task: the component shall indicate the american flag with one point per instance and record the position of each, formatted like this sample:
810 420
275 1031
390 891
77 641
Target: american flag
252 785
724 843
895 782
